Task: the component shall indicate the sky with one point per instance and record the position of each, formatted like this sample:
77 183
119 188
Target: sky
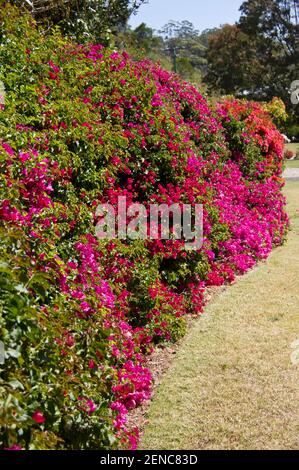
202 13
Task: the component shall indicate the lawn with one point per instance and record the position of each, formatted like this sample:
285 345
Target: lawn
233 385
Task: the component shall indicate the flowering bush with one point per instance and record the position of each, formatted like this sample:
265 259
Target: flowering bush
82 125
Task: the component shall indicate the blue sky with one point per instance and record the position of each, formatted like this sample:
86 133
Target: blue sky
202 13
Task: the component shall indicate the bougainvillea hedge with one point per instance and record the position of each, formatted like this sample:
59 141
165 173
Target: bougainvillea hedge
82 125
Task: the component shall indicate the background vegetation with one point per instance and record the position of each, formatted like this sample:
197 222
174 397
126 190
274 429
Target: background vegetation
256 58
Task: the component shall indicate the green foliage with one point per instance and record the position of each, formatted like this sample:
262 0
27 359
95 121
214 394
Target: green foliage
81 125
178 46
33 361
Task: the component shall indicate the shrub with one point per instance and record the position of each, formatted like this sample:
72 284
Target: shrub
83 125
289 155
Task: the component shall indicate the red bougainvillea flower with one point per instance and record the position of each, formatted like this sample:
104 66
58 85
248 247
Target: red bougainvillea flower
38 417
